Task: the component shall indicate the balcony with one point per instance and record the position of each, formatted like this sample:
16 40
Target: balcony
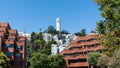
77 50
78 64
2 34
8 49
89 49
22 38
18 65
99 47
75 47
12 32
20 43
18 59
11 37
4 24
18 56
0 39
92 42
3 29
9 42
20 51
76 57
72 51
11 58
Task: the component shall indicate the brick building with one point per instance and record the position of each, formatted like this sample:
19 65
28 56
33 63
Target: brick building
76 52
12 45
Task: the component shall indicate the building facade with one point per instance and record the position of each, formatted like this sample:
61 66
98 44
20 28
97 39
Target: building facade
62 42
12 45
24 34
47 37
76 52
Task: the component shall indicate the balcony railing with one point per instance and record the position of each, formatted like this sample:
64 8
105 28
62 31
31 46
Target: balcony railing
76 57
78 64
9 42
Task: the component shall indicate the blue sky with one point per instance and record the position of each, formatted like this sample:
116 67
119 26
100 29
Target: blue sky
30 15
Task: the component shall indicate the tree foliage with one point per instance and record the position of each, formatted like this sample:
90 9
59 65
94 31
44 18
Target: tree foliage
93 58
36 36
81 33
5 62
64 32
109 27
39 45
39 61
51 30
27 50
40 51
103 61
47 61
112 62
57 61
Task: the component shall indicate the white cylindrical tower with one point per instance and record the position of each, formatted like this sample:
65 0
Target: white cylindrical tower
58 24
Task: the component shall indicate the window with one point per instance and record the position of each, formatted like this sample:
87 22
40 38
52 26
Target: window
67 54
96 44
18 62
21 41
18 47
17 54
77 53
8 46
8 53
75 47
11 38
100 51
77 60
80 41
91 39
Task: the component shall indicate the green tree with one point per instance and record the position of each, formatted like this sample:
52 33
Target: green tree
33 36
103 61
40 52
101 27
51 30
40 36
57 61
39 45
47 61
81 33
4 61
36 36
64 32
28 50
37 42
46 49
112 61
93 58
109 27
39 60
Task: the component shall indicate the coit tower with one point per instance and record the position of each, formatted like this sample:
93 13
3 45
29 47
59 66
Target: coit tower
58 24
